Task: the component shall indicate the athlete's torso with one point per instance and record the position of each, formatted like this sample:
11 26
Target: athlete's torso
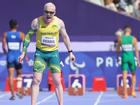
127 47
13 41
47 36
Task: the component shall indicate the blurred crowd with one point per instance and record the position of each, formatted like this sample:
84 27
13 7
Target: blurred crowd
126 7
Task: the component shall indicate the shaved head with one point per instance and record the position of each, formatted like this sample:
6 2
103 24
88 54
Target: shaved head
49 11
49 7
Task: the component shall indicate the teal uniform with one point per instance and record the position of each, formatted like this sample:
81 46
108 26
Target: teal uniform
128 60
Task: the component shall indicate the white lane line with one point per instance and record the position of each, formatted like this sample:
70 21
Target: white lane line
45 99
98 98
3 95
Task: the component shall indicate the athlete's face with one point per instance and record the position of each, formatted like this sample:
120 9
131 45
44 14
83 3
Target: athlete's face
49 12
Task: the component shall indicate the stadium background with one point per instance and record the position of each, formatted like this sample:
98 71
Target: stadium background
90 27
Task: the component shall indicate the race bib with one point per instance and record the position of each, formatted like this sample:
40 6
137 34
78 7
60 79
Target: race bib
49 41
13 45
127 47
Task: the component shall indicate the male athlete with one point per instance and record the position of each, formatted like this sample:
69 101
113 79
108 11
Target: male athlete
128 43
47 28
11 43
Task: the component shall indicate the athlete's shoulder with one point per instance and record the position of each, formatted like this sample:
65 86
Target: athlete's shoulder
60 22
35 23
58 19
22 33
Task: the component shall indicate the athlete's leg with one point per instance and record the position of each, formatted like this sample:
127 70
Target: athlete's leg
11 81
133 72
18 67
54 64
125 94
124 67
10 67
133 84
39 67
35 87
19 83
59 89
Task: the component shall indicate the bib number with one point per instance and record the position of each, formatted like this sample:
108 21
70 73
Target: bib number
128 47
13 45
49 41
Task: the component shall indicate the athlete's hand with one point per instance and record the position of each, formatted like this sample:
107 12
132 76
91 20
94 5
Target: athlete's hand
20 58
71 56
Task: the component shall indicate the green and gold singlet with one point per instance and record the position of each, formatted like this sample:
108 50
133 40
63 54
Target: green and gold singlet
47 36
128 60
47 39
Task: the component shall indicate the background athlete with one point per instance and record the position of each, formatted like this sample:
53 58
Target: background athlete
128 43
11 43
47 28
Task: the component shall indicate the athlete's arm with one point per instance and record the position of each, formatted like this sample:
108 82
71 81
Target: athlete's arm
4 43
65 36
22 36
118 48
30 33
135 43
26 42
66 39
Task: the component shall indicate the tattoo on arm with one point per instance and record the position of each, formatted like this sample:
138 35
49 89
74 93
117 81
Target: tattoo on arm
27 39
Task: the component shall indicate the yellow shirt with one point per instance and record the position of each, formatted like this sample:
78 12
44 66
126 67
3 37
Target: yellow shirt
47 35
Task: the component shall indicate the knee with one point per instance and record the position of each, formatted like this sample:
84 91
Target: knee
57 82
